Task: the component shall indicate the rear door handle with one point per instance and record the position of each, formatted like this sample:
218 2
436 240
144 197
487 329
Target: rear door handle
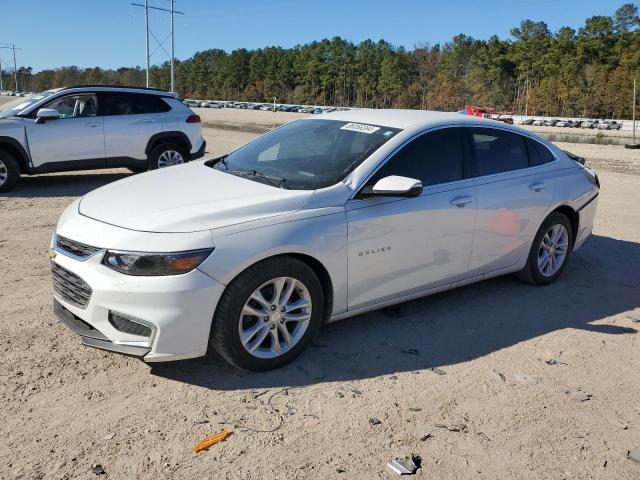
94 124
461 201
149 120
537 187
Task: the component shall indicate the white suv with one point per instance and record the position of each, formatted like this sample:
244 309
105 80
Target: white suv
90 127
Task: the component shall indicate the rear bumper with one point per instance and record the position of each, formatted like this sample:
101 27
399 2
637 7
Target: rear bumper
200 152
585 225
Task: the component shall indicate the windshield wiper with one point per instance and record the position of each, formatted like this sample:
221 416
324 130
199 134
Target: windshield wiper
275 181
272 180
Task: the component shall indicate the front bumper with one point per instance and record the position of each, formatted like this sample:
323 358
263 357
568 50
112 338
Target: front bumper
177 309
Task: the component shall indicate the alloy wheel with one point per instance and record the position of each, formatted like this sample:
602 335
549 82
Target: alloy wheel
169 158
4 172
275 317
553 250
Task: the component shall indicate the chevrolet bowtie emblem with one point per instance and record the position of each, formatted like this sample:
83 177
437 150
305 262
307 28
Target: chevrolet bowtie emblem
52 254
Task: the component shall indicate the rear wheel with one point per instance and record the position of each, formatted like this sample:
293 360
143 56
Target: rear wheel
167 155
9 171
550 250
268 314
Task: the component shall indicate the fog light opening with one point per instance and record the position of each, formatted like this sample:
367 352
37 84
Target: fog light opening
128 324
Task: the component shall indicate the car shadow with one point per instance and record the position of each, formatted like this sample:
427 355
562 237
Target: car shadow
63 185
602 279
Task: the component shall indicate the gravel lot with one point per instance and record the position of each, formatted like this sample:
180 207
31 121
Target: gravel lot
476 356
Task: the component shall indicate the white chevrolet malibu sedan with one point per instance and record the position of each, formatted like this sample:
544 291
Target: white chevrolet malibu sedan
318 220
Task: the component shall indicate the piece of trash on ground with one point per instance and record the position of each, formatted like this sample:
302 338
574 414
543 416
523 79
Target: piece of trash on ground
499 375
634 455
555 361
426 437
405 466
374 421
484 435
98 470
207 442
438 371
579 395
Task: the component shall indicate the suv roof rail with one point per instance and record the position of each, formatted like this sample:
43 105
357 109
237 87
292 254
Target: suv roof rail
92 85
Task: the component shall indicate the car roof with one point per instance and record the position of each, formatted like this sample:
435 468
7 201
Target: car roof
119 88
408 119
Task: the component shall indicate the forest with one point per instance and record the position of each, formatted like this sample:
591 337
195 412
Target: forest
584 73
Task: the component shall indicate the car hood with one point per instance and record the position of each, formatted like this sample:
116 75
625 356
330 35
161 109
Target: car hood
188 198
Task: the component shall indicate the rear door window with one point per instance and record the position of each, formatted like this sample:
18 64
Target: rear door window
498 151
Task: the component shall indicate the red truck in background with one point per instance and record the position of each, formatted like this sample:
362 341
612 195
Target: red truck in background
488 112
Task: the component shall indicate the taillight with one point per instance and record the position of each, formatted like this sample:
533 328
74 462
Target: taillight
193 119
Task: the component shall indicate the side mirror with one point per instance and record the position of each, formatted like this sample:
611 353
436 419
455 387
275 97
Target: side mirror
45 114
393 186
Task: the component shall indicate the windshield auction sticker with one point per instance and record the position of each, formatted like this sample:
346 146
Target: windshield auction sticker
359 127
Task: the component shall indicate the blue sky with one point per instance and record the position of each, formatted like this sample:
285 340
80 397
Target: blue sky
110 33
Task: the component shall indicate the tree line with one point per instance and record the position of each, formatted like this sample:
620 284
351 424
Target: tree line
585 73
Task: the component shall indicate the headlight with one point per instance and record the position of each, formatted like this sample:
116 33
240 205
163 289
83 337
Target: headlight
155 264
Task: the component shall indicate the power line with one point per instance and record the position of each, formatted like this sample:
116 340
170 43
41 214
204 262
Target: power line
171 12
15 69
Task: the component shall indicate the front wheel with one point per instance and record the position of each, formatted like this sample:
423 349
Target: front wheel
550 250
268 314
9 171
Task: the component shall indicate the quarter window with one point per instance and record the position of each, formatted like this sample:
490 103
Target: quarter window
538 153
435 157
498 151
133 104
73 106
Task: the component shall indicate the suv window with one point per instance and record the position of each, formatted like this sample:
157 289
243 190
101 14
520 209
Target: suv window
538 153
133 104
75 106
435 157
498 151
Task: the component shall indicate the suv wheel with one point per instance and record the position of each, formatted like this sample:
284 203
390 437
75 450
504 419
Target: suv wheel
268 314
167 155
550 251
9 171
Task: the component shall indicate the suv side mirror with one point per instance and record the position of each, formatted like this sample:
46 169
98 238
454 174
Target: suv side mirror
45 114
393 186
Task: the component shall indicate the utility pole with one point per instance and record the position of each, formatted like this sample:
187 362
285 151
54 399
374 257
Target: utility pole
15 68
173 54
1 88
171 11
634 111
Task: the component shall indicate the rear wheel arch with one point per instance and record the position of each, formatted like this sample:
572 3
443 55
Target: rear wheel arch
572 215
177 138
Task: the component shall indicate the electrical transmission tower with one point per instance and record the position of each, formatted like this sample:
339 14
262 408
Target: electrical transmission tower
148 32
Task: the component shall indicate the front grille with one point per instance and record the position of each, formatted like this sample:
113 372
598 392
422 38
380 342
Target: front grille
70 286
76 248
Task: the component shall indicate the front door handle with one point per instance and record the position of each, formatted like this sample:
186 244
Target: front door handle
461 201
149 120
94 124
537 187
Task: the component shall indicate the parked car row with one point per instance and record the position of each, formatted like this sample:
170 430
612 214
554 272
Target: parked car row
267 107
11 93
591 124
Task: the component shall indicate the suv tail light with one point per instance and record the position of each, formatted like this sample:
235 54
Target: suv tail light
193 119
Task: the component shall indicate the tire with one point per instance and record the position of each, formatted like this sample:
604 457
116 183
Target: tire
9 171
156 155
533 273
230 316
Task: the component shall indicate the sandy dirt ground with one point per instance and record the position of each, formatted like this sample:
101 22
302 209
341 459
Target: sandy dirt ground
474 359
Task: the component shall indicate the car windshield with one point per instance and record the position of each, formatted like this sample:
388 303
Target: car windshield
306 154
20 104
